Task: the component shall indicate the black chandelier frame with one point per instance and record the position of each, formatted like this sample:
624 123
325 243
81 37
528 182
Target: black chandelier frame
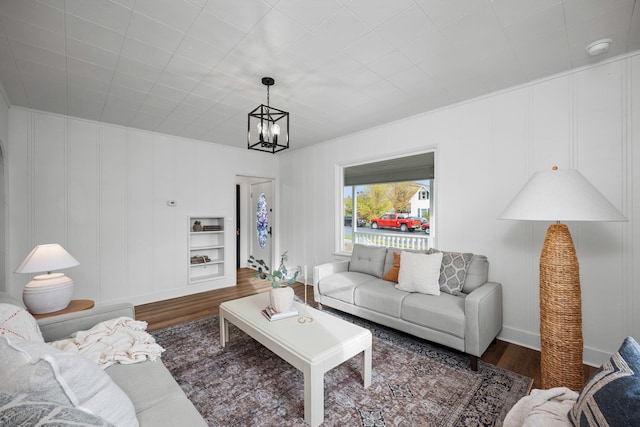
267 116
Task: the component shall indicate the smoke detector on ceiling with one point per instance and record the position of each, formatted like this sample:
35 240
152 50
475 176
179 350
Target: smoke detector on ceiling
599 47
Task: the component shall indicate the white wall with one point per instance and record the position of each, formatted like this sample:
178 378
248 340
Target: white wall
101 191
4 134
487 149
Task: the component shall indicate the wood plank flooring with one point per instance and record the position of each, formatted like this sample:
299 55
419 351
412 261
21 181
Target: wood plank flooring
162 314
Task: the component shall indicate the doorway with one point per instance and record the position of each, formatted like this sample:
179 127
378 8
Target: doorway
255 219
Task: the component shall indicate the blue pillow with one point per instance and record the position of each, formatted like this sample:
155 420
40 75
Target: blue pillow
611 396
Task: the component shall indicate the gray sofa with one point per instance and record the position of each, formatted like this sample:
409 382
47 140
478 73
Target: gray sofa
468 322
157 398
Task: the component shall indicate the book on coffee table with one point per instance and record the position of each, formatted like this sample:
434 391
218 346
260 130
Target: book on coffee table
272 315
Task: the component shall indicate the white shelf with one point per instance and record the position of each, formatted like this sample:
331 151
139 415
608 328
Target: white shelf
208 243
202 248
202 264
194 233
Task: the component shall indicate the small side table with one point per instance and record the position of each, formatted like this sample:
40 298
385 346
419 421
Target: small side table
74 305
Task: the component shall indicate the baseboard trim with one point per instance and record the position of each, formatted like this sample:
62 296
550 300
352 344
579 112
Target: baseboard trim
590 356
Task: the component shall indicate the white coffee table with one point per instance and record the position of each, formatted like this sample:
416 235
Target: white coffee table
313 348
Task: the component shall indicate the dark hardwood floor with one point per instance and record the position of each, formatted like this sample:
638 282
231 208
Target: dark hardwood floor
162 314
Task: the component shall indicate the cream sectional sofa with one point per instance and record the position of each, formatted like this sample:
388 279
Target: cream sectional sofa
157 398
468 321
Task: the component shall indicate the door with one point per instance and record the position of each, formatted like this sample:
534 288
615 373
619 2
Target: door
262 232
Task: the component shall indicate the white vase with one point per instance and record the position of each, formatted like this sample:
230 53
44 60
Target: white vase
281 298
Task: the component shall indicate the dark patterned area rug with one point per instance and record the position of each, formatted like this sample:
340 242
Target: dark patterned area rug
414 383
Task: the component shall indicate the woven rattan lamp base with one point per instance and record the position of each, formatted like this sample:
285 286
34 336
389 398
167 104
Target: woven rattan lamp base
560 311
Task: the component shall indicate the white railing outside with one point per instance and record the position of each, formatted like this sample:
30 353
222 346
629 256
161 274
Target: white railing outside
410 240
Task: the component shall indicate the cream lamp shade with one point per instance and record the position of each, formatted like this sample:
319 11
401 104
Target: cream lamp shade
47 292
560 195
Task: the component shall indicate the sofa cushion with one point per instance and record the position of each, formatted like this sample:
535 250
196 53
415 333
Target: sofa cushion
157 397
21 409
453 270
368 260
419 273
611 395
64 378
392 273
477 273
16 322
377 295
444 313
341 285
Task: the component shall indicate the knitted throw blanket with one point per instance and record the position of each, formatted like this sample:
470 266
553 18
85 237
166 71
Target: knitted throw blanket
122 340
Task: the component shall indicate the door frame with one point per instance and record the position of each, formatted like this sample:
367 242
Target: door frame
245 217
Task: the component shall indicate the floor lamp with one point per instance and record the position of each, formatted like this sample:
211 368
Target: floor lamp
560 195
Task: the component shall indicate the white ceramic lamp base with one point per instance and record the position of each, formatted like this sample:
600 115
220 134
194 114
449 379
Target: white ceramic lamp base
48 293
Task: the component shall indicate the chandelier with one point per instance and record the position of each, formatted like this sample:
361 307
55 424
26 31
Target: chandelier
268 127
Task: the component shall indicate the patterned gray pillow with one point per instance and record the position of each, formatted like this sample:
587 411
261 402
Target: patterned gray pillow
453 270
21 409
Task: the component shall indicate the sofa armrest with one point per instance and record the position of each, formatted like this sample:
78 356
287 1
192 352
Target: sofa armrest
483 313
324 270
62 326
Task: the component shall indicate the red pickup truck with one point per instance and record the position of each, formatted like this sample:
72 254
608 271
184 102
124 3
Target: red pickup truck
402 222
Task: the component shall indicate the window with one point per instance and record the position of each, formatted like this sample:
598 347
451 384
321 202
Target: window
395 194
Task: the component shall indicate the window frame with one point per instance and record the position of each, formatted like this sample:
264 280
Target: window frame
340 205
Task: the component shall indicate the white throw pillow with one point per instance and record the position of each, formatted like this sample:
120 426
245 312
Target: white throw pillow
16 322
419 273
64 378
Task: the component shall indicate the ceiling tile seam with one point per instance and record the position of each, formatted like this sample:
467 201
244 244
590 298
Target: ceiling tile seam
125 33
634 10
233 25
52 6
173 54
310 29
52 51
164 24
213 68
426 14
450 20
115 68
154 83
92 22
280 49
15 63
356 16
566 33
390 17
223 20
437 31
511 49
221 60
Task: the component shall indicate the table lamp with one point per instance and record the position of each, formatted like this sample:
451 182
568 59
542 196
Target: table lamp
560 195
48 292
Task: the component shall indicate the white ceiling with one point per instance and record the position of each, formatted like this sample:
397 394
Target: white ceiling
193 68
